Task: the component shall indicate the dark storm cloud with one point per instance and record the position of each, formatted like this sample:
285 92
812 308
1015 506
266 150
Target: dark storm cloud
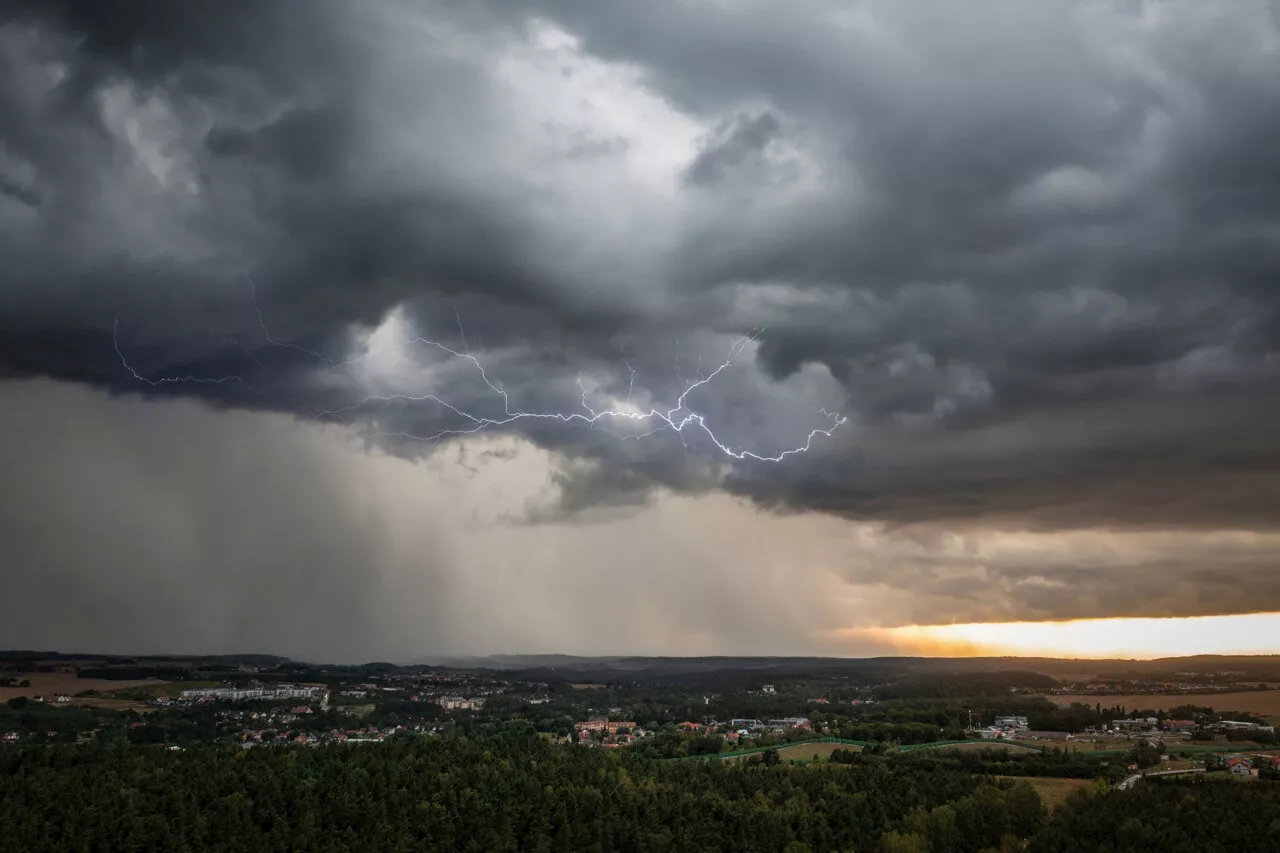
735 145
1078 576
1033 244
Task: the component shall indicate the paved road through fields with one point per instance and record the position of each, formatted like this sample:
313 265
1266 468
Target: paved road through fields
1132 780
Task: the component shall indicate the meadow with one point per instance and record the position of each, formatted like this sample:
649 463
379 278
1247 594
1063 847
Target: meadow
810 751
987 745
1053 792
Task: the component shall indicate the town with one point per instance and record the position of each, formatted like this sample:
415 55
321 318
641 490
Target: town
287 704
885 724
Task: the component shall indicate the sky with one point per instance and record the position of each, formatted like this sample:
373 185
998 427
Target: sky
395 328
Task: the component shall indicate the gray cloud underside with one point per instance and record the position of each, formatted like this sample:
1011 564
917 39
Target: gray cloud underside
1028 250
161 526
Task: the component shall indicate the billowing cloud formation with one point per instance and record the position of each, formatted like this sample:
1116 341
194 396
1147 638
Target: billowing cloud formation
1025 249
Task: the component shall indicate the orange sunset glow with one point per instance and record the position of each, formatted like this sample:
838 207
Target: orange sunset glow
1247 634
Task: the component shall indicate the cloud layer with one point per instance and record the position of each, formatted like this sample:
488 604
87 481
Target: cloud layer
1025 249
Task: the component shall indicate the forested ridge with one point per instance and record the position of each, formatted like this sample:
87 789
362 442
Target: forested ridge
519 792
1168 816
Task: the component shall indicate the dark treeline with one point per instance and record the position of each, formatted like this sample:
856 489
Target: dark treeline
963 684
1171 816
134 673
500 793
996 762
903 733
519 792
947 716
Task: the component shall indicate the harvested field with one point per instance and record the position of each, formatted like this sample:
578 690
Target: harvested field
50 684
1265 703
587 686
1053 792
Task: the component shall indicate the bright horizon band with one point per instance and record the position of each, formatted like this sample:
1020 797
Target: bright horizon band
1122 637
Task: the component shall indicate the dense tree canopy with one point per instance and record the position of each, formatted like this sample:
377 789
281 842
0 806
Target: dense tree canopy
1170 817
517 791
496 793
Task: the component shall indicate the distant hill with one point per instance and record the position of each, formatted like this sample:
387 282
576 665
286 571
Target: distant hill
606 668
615 668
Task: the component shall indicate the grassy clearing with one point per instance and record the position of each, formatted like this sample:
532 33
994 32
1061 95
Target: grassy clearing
810 751
1053 792
110 704
1021 749
1098 745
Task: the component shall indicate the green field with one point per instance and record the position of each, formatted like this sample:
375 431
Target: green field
810 751
979 746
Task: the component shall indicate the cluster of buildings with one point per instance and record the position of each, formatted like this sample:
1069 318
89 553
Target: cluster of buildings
430 686
242 694
14 737
1232 727
743 728
1007 727
1138 728
274 737
1152 727
243 723
609 734
59 699
1241 765
452 691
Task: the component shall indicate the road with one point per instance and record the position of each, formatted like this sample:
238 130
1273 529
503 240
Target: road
1133 780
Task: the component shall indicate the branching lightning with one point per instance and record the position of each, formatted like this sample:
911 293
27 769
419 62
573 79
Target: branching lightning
170 380
676 419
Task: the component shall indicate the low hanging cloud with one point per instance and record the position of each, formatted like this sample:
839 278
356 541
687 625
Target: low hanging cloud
1026 250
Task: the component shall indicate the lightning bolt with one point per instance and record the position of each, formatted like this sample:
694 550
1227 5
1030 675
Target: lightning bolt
170 380
679 418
